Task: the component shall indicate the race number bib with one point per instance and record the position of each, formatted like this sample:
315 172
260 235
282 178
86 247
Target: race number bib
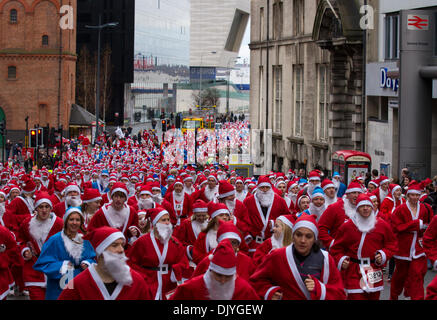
374 276
178 207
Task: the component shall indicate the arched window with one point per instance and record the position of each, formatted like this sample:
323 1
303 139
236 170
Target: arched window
13 16
12 72
45 40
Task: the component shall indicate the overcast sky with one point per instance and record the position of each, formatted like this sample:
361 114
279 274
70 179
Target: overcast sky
244 50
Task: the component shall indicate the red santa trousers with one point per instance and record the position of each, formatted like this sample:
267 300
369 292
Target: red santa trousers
414 271
364 296
36 293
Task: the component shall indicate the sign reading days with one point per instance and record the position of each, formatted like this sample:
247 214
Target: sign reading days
387 82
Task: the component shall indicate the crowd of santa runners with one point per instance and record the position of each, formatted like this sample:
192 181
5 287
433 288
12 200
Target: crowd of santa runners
117 222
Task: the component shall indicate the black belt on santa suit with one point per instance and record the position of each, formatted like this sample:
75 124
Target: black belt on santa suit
363 261
163 269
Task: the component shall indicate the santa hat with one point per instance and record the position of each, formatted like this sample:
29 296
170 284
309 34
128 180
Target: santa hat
71 187
101 238
28 185
287 219
364 200
264 181
225 189
178 181
155 186
214 176
394 187
307 221
374 182
318 192
354 186
239 179
223 259
200 206
314 176
383 179
215 209
3 193
156 214
227 230
414 187
146 189
91 195
291 184
42 197
119 187
326 183
71 210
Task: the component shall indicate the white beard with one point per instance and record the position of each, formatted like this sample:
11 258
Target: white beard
178 196
2 208
231 205
336 184
75 248
189 190
265 198
277 242
211 193
292 197
39 229
382 194
349 209
164 231
144 204
240 195
218 291
329 201
104 182
212 239
86 178
198 227
157 198
311 188
116 266
318 211
118 218
73 201
364 224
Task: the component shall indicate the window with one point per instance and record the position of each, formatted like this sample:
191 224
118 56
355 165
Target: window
392 37
323 96
298 13
12 72
278 16
45 40
298 81
261 28
278 98
13 16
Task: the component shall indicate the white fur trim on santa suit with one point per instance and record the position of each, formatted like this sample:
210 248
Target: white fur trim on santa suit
227 194
119 190
414 192
264 184
384 258
286 221
91 200
329 185
306 224
219 212
354 190
364 203
229 235
107 242
266 296
40 201
200 210
221 270
159 216
71 188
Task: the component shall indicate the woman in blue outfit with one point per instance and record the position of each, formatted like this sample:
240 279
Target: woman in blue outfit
65 254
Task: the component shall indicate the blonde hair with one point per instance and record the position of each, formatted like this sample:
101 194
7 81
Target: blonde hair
287 232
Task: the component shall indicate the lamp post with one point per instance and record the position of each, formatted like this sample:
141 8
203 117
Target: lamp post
201 73
99 29
227 82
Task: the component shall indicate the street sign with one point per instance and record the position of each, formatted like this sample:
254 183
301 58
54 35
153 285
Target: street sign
418 22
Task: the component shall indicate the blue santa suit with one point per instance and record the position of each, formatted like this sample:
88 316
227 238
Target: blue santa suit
54 256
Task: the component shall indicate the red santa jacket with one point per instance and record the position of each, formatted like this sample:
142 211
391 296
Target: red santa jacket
431 290
242 215
60 209
178 211
430 242
245 266
28 242
330 221
55 199
195 289
279 273
89 286
187 236
8 246
388 206
201 247
351 242
262 251
409 230
106 198
259 225
16 212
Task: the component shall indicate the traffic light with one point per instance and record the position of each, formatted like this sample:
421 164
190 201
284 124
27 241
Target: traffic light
33 136
2 127
164 125
40 137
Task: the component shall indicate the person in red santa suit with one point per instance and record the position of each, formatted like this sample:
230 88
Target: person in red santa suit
189 230
292 191
34 232
431 290
209 192
330 192
372 185
363 245
133 200
281 237
8 246
91 202
240 192
207 238
56 196
72 199
391 202
158 256
302 204
409 222
300 271
220 282
263 207
181 203
106 198
383 190
245 265
110 278
336 214
117 214
430 242
2 206
188 184
237 209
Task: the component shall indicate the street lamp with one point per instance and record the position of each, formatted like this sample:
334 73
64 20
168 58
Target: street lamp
99 29
227 83
201 73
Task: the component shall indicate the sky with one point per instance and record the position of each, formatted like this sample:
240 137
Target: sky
244 50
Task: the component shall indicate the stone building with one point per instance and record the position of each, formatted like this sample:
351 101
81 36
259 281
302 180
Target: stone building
306 80
37 64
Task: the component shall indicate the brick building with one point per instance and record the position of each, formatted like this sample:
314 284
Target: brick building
37 64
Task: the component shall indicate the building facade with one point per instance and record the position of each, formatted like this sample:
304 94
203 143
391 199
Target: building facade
306 82
37 64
